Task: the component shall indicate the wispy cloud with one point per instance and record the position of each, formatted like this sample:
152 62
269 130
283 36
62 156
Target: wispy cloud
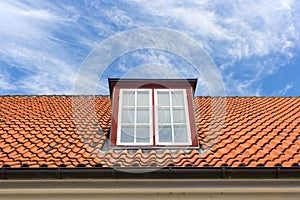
236 32
248 28
284 90
48 40
5 83
27 42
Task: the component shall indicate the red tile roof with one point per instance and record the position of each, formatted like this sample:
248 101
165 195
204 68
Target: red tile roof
53 131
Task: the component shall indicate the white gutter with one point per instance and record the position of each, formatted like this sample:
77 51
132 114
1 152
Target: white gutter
150 189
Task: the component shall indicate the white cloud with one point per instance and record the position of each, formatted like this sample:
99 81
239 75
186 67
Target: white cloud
50 39
284 90
236 32
5 84
248 27
30 42
151 58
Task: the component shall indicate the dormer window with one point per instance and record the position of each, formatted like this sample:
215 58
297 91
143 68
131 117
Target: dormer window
152 113
171 117
135 117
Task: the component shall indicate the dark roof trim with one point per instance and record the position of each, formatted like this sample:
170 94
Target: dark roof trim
113 81
151 173
153 80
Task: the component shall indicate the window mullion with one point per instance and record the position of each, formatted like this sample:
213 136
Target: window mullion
187 118
155 116
135 116
151 108
120 119
171 113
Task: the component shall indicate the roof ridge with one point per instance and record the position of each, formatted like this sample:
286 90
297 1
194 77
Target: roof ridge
248 96
55 95
104 95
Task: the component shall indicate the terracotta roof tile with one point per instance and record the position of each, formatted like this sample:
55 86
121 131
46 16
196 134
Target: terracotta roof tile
70 131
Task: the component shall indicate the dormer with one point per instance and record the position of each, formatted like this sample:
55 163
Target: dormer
153 113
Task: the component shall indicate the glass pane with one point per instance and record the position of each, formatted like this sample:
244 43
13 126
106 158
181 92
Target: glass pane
165 134
127 133
164 115
177 98
128 98
127 115
163 98
142 134
180 134
142 115
143 98
178 115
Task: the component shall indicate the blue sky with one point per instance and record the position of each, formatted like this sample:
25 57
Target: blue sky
255 44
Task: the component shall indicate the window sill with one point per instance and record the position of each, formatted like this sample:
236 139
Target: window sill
158 147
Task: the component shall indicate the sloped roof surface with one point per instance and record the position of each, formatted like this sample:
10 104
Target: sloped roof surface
56 131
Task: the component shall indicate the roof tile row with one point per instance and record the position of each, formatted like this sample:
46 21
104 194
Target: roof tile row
71 131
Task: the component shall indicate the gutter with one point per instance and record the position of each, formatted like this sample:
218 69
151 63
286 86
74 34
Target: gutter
152 173
150 189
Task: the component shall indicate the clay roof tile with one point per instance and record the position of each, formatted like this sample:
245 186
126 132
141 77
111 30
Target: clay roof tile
248 131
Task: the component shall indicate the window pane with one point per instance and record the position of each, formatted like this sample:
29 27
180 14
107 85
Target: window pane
142 115
180 134
127 133
128 98
164 115
142 134
143 98
178 115
177 98
165 134
127 115
163 98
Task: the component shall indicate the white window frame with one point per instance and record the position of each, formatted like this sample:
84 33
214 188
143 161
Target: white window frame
156 124
150 124
189 142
